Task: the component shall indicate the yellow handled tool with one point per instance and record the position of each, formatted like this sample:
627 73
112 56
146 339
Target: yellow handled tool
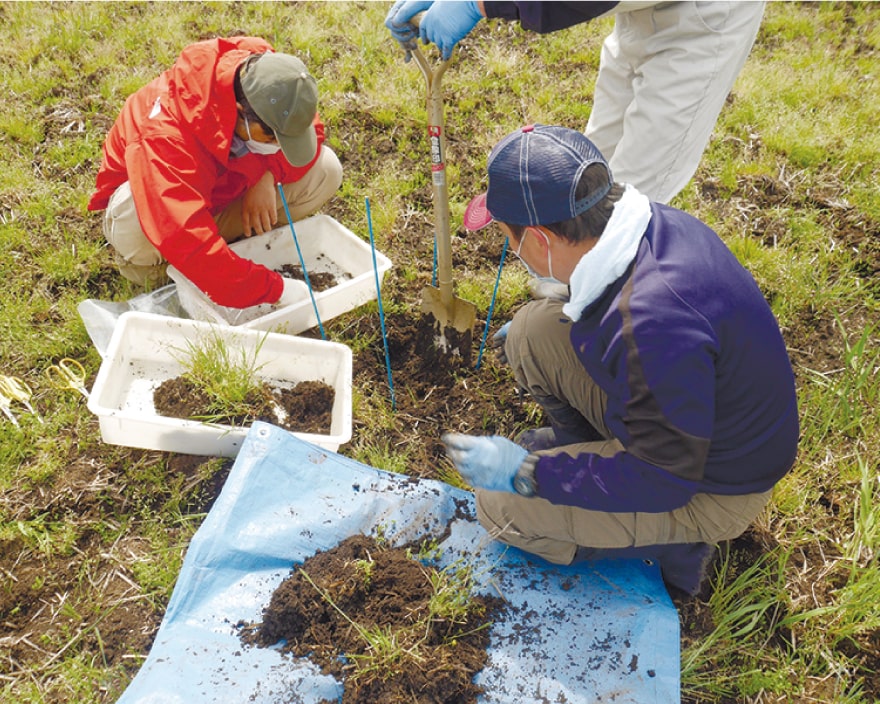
68 374
16 389
454 317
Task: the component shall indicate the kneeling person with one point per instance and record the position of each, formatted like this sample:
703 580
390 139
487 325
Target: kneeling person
665 378
193 161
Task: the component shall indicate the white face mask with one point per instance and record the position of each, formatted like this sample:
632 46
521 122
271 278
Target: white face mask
532 272
259 147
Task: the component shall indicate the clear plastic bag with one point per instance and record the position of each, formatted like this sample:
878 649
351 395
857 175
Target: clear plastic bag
100 317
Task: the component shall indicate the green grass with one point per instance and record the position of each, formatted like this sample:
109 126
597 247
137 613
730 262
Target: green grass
226 373
746 612
789 180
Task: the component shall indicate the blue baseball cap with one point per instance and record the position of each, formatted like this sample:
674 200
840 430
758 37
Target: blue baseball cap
533 176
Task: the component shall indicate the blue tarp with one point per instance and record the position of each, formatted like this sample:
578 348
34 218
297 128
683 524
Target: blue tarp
593 632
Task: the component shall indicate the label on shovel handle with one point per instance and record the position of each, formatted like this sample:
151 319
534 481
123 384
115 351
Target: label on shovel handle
436 148
438 167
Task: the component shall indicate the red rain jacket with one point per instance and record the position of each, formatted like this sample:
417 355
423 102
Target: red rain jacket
171 142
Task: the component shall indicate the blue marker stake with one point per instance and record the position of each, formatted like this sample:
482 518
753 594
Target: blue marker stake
434 268
381 310
301 261
492 304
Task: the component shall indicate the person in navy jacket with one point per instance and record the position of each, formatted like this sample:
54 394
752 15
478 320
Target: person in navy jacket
665 379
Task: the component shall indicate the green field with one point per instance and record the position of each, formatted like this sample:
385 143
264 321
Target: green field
92 536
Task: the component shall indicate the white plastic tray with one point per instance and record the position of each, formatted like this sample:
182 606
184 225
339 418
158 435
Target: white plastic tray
145 350
327 246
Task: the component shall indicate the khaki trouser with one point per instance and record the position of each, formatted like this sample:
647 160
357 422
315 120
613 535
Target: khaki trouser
140 262
665 73
544 363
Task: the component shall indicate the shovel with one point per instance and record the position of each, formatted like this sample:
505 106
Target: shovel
453 317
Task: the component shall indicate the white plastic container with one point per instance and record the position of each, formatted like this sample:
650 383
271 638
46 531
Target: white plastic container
327 246
145 350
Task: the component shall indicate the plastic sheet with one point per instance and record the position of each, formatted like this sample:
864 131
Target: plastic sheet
600 632
100 317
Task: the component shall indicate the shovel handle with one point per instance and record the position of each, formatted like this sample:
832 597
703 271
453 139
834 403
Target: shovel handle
437 141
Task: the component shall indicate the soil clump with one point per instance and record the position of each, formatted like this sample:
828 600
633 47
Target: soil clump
319 280
305 408
343 604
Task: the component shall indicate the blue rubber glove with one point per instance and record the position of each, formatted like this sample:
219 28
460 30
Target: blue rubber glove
499 339
448 22
398 21
487 462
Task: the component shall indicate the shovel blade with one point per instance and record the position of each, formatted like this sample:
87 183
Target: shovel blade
453 322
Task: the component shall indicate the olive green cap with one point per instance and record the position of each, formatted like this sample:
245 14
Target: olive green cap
284 95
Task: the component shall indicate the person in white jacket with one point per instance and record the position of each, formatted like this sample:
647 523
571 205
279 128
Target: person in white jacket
665 72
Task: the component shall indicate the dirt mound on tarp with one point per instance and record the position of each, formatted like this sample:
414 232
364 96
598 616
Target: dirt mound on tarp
392 628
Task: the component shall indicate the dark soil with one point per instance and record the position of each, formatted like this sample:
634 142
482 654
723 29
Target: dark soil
319 280
98 597
364 582
305 408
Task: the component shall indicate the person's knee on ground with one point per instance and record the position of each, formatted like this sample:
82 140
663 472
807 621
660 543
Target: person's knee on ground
134 255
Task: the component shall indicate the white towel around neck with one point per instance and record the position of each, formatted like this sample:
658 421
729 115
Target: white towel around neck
613 253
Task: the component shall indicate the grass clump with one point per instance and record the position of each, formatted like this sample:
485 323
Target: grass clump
227 374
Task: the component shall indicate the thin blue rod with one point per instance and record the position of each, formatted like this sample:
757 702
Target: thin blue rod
492 304
381 309
302 261
434 268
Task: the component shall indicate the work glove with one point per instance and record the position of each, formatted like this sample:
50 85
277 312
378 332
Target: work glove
294 292
447 22
499 339
398 21
487 462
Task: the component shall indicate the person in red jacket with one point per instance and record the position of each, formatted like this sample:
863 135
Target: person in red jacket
193 162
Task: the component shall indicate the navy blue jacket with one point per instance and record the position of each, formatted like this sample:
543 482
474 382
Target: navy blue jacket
545 17
700 388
